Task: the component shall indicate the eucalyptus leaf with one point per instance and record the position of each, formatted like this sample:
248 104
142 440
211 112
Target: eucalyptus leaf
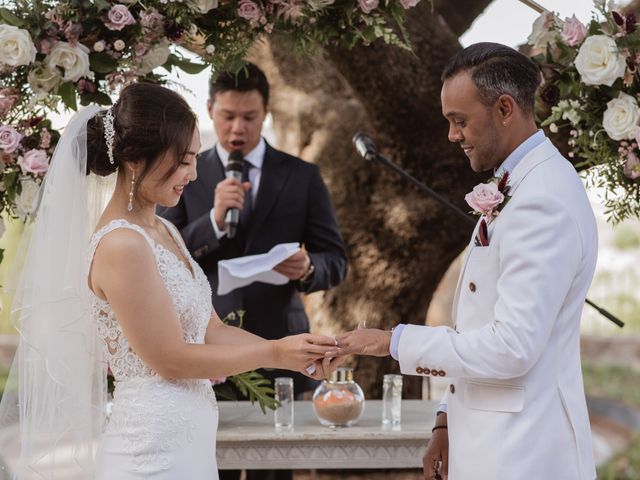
10 18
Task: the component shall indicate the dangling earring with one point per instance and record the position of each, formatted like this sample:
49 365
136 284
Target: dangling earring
133 183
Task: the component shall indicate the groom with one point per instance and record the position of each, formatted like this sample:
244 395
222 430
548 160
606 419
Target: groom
515 406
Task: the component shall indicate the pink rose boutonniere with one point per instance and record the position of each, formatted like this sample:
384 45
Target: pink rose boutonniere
488 199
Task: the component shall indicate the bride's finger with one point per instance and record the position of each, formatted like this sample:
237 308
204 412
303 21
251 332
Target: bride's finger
321 339
320 350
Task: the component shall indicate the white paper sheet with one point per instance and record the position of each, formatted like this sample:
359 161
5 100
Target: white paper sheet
241 271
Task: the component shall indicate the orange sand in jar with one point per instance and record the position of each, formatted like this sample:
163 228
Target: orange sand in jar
338 406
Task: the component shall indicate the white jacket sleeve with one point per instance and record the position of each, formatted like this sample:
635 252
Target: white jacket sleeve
540 251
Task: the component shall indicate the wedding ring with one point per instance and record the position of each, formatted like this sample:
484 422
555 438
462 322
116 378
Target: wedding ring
335 339
311 369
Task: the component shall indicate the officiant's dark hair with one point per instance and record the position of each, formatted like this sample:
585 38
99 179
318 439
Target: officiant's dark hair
248 78
149 120
497 70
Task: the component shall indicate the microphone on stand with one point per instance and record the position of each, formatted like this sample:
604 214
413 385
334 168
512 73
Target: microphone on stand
235 168
367 149
365 146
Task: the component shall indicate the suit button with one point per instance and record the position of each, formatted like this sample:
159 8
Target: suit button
442 373
472 286
427 371
419 370
452 389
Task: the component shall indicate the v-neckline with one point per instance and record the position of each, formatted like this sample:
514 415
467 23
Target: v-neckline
185 259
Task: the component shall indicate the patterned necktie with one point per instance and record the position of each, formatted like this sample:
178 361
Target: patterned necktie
247 208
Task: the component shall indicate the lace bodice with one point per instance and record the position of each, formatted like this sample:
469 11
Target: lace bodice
190 294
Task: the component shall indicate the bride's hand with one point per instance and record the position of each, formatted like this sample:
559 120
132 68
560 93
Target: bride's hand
321 369
298 352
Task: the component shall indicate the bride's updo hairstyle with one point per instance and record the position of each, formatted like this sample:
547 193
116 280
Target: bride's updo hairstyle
149 120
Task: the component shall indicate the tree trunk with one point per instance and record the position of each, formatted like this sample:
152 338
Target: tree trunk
399 241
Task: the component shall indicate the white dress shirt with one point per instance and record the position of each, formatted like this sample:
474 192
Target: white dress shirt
256 158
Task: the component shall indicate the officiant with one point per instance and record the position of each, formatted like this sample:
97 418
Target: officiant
281 199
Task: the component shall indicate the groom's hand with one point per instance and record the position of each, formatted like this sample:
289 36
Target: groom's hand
436 457
365 341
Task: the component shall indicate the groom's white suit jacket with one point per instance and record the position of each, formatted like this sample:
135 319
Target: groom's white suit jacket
516 405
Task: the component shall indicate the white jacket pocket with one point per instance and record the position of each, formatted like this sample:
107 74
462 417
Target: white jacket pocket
493 397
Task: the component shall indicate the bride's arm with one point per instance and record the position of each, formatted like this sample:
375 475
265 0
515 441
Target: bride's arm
220 334
124 272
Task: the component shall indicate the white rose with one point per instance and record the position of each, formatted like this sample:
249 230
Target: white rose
203 6
44 80
156 56
27 200
620 120
318 4
16 46
599 62
119 45
542 31
74 61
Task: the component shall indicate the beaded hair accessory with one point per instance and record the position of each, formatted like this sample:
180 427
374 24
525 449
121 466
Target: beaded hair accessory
109 133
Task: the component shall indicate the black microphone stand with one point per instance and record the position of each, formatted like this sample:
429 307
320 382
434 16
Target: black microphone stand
462 215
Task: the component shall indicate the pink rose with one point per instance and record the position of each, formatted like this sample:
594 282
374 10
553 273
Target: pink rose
574 32
119 17
6 104
409 3
484 198
249 11
368 5
9 139
34 161
632 166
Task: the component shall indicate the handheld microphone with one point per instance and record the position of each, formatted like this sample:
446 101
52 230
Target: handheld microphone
365 146
234 169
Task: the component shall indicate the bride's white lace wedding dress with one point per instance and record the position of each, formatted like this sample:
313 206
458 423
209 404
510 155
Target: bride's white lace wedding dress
158 428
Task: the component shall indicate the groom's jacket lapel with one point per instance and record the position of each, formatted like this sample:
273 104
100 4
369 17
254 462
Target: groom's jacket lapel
535 157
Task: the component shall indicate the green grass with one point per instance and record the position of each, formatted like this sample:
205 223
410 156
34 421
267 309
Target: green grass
616 382
619 383
625 466
4 373
626 238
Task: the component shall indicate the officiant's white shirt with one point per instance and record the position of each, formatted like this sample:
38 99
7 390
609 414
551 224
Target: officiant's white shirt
256 158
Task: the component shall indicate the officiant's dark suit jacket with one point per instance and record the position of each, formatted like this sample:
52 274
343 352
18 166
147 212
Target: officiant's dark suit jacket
292 205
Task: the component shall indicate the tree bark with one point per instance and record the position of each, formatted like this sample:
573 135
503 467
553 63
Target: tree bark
399 241
459 15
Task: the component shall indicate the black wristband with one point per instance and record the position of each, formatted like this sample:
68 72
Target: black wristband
437 427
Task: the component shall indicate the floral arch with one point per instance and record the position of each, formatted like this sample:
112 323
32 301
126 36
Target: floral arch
72 52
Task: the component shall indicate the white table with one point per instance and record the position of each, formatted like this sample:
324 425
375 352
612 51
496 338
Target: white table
247 439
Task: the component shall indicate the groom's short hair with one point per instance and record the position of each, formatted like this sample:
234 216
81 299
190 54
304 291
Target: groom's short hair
248 78
497 70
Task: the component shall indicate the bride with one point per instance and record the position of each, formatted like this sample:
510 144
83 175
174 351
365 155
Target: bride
129 297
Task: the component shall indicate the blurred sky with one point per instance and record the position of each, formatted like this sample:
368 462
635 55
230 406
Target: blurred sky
504 21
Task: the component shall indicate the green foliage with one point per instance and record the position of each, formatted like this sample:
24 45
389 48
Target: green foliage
625 466
4 375
626 238
255 388
617 382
